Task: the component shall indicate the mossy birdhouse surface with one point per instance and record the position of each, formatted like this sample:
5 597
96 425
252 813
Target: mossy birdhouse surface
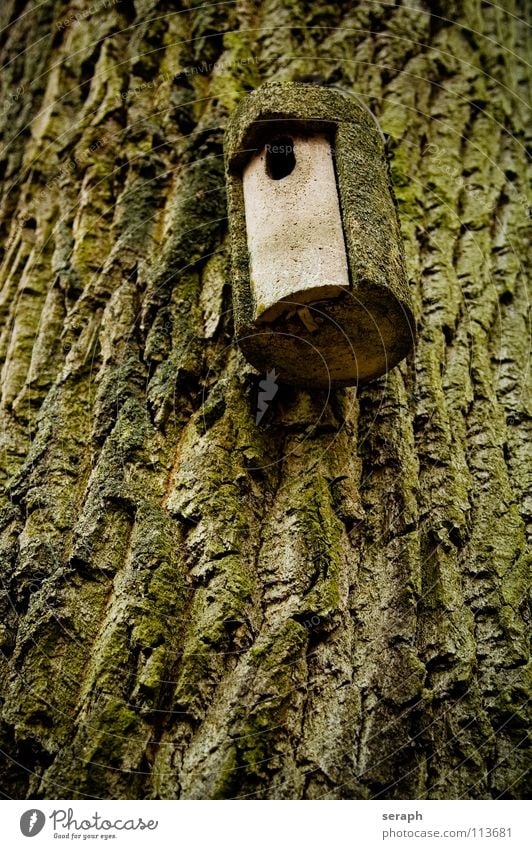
319 288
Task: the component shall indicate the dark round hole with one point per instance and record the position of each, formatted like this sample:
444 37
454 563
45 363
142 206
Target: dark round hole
280 158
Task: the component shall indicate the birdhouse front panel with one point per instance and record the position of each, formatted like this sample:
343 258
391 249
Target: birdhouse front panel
294 229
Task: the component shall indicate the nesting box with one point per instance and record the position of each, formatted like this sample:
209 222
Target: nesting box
319 287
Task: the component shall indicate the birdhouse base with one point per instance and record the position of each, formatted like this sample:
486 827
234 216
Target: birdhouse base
343 341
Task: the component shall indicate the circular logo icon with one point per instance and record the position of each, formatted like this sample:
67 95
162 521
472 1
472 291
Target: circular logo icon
32 822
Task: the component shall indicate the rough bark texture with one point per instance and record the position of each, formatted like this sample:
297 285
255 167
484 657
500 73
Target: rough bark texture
329 605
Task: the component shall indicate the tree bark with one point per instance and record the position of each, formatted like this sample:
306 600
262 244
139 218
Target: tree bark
331 604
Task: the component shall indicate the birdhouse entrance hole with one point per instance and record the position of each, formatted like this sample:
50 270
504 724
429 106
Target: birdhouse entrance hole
280 157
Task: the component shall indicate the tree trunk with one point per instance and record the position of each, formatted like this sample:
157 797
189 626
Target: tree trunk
331 604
